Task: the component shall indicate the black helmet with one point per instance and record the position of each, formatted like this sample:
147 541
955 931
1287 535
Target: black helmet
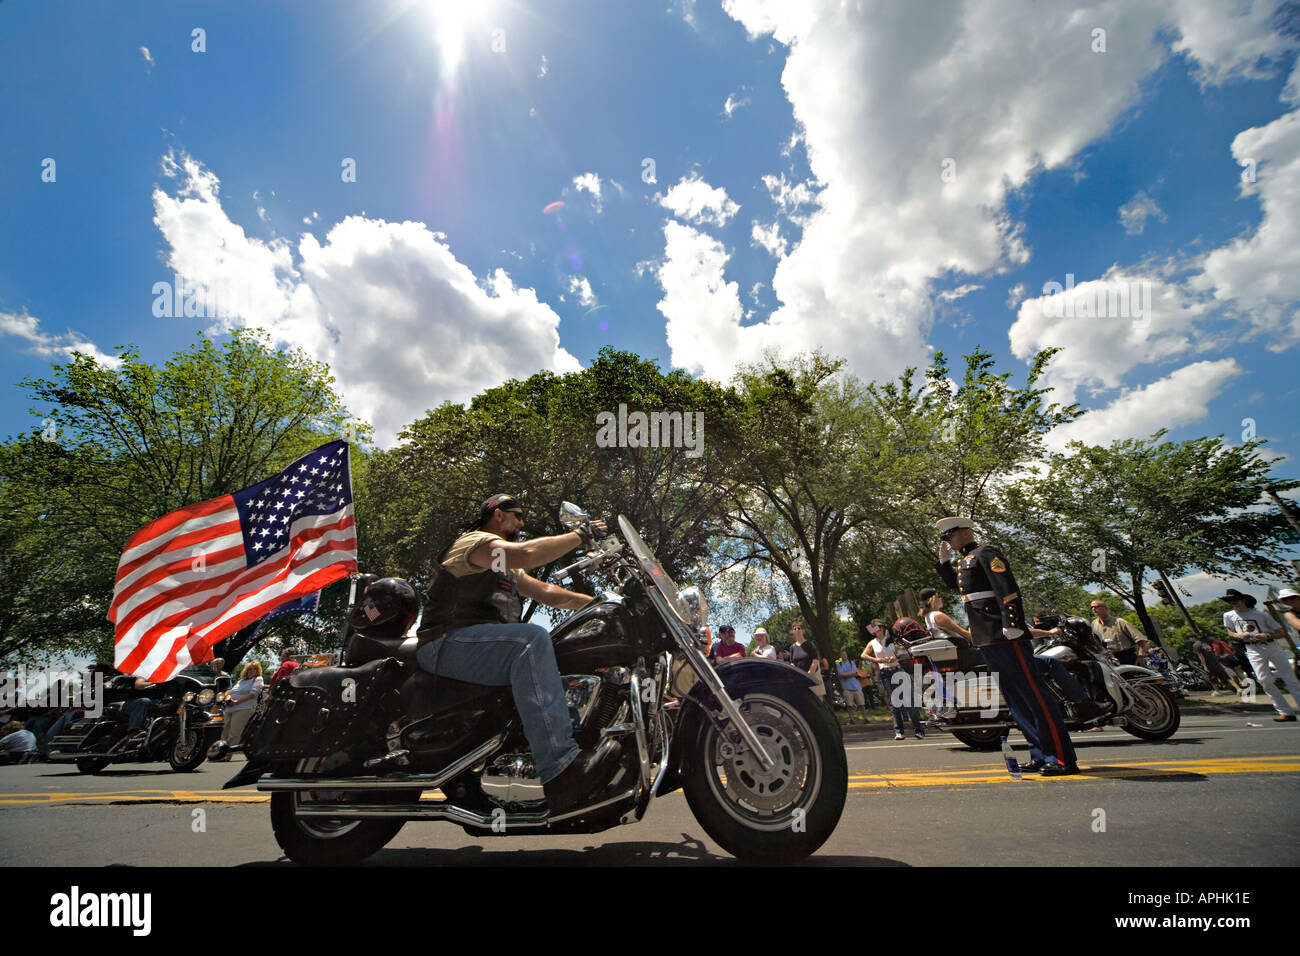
385 610
363 582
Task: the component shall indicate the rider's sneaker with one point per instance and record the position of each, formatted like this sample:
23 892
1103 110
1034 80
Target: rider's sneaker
898 736
1034 766
1280 718
579 779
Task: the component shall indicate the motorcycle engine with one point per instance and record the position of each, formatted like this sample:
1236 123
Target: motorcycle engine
511 781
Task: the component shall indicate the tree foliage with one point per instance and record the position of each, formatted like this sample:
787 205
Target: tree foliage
127 445
536 439
1108 515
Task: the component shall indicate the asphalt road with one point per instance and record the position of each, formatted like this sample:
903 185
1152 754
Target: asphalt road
1222 792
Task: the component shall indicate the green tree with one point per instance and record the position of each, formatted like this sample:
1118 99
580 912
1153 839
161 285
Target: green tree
132 443
935 450
536 439
1109 515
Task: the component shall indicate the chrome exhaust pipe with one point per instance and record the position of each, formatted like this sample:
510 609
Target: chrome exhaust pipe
409 781
443 810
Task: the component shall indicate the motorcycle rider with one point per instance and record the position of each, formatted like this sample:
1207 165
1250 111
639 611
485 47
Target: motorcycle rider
472 631
997 624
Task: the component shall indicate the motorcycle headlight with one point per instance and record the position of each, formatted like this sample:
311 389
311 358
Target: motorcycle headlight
188 697
694 608
206 696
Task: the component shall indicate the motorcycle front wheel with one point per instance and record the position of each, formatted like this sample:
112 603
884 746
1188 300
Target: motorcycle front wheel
1154 714
187 752
320 841
779 815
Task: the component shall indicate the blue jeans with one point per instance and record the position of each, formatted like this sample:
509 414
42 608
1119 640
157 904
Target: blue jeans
522 657
137 712
889 681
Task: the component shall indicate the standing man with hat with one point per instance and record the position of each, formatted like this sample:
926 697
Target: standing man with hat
998 628
1261 634
727 647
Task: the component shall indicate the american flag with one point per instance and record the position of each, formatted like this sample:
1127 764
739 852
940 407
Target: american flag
197 575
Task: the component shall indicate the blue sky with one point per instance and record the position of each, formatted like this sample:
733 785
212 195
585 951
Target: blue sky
880 183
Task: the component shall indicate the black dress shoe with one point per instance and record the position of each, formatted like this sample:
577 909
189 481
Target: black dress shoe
580 779
1057 770
1034 766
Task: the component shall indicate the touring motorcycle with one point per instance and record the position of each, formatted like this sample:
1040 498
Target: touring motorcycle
184 718
347 751
1134 698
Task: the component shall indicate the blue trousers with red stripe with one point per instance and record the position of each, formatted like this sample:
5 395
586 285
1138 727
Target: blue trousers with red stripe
1033 707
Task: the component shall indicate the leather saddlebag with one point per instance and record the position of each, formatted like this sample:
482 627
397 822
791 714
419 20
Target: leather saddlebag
320 711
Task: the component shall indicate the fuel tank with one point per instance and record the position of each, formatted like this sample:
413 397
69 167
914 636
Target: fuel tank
607 634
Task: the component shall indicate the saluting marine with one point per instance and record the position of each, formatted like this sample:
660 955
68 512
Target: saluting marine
997 625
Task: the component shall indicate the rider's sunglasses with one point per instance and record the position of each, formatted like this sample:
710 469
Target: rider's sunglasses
517 514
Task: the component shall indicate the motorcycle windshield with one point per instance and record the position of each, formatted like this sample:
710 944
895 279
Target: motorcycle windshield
651 565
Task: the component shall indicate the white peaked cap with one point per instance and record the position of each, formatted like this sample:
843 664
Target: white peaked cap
948 524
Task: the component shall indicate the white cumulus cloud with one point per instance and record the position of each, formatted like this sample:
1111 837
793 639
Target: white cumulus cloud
402 323
1133 215
735 101
954 107
28 329
768 237
590 184
581 287
695 201
1180 398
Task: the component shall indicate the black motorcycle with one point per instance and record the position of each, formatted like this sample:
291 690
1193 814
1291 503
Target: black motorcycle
969 705
182 720
346 752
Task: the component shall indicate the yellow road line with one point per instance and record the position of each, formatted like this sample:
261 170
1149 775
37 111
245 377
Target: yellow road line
882 779
934 778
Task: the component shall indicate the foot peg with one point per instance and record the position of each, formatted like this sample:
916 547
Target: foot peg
389 761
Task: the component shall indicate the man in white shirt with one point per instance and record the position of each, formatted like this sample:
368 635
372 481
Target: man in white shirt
1261 635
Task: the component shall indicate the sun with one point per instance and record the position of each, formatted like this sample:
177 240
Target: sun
453 24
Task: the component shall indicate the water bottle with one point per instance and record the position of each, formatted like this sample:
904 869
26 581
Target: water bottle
1013 767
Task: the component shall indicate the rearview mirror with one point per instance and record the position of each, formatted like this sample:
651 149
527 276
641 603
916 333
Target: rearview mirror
571 516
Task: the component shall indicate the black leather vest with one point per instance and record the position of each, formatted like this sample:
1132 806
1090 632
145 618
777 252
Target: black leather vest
489 597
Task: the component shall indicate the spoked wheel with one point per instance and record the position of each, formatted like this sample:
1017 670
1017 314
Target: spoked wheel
1154 714
321 841
783 813
187 752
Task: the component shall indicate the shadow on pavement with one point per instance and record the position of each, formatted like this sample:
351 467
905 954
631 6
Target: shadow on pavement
110 774
1143 774
689 852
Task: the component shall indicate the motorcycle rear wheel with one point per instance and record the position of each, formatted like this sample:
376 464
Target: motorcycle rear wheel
1154 715
983 738
780 815
320 841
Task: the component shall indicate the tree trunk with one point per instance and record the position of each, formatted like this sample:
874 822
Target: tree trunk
1140 606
